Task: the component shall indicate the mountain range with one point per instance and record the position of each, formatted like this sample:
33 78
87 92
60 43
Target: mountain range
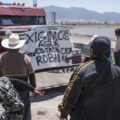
82 13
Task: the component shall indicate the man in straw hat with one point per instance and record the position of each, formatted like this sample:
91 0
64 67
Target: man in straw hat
14 64
94 89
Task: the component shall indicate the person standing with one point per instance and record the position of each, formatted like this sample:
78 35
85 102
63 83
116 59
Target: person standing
117 47
14 64
117 34
93 91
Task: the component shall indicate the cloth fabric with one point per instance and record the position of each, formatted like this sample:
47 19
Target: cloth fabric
93 92
24 95
117 58
21 85
117 47
10 101
17 65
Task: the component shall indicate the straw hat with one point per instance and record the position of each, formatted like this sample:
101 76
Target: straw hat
13 42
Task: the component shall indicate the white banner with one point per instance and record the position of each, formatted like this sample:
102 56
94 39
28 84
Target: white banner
48 47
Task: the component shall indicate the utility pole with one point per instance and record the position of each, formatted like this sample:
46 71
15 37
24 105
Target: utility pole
52 17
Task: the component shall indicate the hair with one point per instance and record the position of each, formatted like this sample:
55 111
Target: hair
104 53
101 55
117 31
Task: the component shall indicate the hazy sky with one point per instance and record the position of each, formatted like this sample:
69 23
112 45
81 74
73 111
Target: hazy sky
96 5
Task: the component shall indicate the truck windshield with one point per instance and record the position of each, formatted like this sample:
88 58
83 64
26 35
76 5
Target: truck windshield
11 20
35 20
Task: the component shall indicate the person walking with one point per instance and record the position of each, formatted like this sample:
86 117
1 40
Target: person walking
93 90
14 64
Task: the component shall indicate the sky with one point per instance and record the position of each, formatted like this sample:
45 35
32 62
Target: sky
95 5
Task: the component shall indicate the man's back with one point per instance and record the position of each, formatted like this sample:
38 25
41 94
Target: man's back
100 97
93 92
14 63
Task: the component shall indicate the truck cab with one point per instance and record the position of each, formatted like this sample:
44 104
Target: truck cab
19 19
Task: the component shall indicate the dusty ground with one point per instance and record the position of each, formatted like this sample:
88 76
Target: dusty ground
45 107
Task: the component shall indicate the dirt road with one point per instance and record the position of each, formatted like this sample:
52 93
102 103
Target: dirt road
45 107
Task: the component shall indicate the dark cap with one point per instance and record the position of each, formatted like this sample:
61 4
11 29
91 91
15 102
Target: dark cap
101 45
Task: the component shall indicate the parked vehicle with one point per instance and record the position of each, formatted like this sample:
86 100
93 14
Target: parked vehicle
19 19
77 56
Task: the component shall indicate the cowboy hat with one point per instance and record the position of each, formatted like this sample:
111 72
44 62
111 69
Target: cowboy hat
13 42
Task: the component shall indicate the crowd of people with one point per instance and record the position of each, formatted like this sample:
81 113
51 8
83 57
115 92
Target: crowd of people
92 93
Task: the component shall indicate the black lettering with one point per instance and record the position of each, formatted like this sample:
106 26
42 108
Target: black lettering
51 58
45 59
41 43
47 44
49 50
68 50
63 58
30 37
39 50
56 58
51 35
57 50
61 35
66 36
39 60
40 35
63 50
59 60
31 54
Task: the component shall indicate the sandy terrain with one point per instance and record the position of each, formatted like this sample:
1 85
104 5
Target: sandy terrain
45 107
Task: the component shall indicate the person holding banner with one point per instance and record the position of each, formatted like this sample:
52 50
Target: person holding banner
14 64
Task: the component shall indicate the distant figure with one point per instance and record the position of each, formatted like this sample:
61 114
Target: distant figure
117 47
117 34
93 92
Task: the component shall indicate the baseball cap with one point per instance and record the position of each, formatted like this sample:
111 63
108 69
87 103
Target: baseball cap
101 45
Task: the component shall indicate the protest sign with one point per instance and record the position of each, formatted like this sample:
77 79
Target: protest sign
48 47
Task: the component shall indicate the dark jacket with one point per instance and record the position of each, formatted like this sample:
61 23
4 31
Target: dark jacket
93 92
20 85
